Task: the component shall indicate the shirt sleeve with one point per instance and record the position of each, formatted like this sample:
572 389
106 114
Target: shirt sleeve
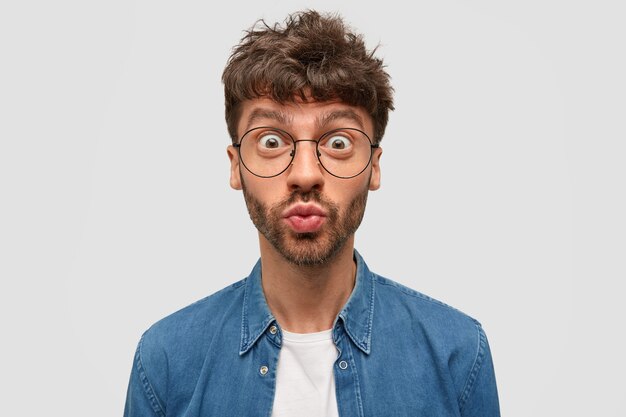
141 398
480 395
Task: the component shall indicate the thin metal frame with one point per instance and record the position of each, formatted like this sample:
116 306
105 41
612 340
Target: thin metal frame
295 148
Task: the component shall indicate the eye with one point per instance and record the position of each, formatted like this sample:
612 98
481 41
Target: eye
271 141
338 142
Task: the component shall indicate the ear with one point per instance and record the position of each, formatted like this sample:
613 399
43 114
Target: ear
375 177
235 172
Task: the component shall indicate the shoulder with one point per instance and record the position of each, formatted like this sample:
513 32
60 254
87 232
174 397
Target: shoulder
451 336
451 339
200 314
180 338
169 354
429 311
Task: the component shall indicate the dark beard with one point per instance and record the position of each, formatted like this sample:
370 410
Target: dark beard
307 249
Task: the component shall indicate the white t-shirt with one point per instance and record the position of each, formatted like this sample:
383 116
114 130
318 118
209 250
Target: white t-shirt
305 384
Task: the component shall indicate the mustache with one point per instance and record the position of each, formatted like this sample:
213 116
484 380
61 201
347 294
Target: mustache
298 196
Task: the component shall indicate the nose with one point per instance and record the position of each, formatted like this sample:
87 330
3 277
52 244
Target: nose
305 172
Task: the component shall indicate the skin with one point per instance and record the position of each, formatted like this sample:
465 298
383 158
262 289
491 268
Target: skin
307 278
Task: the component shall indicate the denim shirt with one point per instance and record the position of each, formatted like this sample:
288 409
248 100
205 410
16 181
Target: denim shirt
401 353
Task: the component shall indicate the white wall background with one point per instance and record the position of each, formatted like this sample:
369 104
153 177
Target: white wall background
503 185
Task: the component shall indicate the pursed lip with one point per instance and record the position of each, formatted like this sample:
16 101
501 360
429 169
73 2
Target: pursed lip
304 210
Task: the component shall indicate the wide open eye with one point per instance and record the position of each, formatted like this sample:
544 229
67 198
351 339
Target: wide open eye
271 141
337 142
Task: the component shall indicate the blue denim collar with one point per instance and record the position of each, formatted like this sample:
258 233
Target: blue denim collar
356 315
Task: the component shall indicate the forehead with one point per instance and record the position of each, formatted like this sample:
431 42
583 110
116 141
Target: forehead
300 114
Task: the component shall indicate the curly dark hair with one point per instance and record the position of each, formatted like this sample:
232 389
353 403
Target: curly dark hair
312 53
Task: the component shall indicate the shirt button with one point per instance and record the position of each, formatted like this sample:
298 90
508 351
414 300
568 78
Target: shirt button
263 370
343 365
273 329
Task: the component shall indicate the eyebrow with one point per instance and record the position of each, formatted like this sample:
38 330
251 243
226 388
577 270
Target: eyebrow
330 117
285 119
263 113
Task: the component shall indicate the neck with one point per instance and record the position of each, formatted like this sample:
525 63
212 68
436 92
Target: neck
307 299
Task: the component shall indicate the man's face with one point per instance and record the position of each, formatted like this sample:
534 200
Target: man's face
305 214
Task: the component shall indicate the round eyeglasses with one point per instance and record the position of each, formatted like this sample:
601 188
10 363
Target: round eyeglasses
268 151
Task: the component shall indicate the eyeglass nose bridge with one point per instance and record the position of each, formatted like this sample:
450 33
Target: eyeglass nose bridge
293 151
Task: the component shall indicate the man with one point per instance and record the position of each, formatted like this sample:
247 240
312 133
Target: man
311 331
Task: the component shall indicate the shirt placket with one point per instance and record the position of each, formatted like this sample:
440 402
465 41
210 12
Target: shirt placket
349 402
265 363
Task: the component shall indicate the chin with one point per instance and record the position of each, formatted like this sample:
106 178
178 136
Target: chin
308 249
